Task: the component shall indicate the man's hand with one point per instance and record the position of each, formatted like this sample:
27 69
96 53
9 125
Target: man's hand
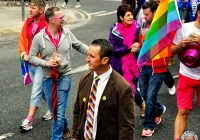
183 43
135 47
51 63
195 38
25 57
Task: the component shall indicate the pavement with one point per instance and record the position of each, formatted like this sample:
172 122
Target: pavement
12 21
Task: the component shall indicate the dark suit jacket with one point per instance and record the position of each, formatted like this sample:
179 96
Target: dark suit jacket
116 114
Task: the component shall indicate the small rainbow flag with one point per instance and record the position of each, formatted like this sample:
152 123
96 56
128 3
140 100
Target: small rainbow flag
25 71
161 33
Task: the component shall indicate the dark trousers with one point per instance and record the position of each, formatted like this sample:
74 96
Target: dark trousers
169 80
66 1
137 9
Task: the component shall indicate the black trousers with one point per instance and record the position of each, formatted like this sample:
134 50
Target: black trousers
169 80
66 1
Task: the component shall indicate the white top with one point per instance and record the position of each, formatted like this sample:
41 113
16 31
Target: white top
186 30
140 19
101 86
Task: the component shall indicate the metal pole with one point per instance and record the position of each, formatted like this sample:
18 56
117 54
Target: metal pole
23 12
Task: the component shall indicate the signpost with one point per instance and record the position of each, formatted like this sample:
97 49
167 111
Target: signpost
22 3
23 11
17 3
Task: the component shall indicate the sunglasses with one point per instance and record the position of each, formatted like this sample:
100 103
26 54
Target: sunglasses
61 17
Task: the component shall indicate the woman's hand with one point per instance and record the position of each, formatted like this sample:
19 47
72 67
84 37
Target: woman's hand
135 47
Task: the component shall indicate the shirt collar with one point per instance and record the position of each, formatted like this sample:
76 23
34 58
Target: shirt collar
103 76
49 34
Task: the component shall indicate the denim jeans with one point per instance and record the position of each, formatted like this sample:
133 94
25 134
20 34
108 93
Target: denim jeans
37 93
63 88
150 84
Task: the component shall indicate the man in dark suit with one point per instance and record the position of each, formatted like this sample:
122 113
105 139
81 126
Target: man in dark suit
112 115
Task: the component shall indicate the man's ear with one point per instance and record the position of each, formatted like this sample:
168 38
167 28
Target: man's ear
198 13
154 12
41 10
105 60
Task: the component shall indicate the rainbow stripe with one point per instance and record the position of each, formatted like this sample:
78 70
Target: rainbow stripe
161 33
91 110
25 71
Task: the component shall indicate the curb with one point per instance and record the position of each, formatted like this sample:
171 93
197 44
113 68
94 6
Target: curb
74 19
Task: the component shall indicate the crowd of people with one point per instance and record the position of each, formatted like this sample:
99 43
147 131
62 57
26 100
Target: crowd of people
107 93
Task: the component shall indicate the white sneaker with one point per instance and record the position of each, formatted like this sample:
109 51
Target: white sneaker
78 5
164 109
172 90
47 116
26 125
63 5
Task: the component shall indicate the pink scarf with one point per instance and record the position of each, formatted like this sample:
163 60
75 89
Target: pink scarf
129 62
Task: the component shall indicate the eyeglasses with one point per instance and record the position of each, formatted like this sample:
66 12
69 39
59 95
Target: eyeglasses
61 17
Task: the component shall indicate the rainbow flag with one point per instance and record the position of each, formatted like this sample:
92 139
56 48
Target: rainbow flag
161 33
25 71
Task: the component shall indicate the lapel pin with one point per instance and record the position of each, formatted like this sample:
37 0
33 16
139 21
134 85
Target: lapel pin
84 99
104 98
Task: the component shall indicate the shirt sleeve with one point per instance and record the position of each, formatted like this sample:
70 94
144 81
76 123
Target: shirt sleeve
34 51
78 45
178 36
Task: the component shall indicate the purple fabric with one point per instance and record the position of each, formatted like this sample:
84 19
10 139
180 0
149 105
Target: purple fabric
119 50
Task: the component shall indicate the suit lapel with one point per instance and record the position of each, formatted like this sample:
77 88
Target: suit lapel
106 95
86 93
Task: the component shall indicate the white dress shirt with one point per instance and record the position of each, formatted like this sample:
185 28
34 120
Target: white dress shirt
101 86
